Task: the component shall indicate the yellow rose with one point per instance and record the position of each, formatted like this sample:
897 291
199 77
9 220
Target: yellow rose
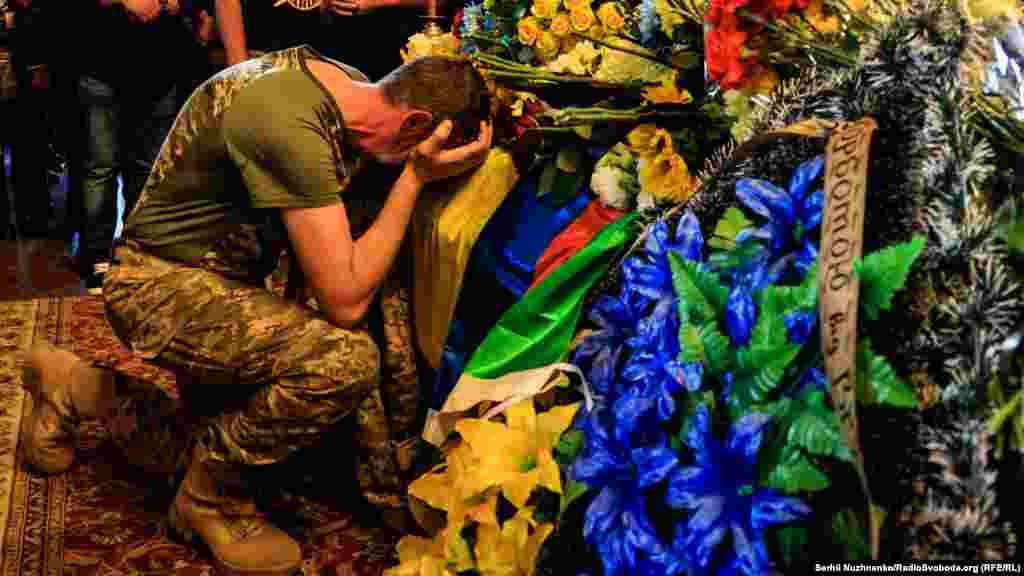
529 30
547 46
560 25
582 19
610 14
545 8
666 177
577 4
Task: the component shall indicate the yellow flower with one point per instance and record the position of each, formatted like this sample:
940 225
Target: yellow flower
560 25
577 4
545 8
529 30
666 177
668 92
985 9
815 14
647 140
611 16
582 19
420 557
420 45
669 15
513 549
517 455
548 46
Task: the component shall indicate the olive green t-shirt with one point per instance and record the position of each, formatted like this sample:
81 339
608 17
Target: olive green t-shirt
257 138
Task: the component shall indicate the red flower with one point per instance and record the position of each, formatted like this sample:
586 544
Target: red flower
725 53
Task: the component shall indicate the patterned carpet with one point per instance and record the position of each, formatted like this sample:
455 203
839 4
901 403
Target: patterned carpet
104 517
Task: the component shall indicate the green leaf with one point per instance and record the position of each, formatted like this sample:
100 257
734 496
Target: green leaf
754 382
877 382
796 473
691 345
701 296
801 297
572 491
769 336
732 223
848 529
718 351
883 273
816 428
791 543
570 444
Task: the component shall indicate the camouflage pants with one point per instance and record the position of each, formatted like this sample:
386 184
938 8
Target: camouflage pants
278 376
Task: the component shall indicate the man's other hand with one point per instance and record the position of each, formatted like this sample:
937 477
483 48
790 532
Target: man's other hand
430 161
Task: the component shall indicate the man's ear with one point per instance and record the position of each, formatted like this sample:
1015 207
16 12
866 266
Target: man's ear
416 123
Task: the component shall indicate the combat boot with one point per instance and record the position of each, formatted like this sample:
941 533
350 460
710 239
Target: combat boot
63 390
243 543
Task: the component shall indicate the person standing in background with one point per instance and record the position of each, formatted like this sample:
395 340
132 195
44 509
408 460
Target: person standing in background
127 107
366 34
33 54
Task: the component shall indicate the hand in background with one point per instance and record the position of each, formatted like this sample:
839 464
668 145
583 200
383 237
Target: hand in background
353 7
430 161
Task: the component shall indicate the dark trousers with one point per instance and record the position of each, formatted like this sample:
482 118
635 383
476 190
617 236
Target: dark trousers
34 133
122 130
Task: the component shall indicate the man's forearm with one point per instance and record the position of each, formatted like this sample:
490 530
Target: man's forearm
232 30
376 250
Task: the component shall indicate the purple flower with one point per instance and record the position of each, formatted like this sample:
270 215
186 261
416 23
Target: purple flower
791 214
720 490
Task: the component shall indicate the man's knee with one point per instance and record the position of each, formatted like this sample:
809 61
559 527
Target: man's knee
349 366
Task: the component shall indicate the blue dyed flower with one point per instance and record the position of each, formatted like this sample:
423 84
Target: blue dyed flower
650 24
654 366
721 492
791 214
616 523
650 273
1004 77
812 378
616 319
800 324
752 276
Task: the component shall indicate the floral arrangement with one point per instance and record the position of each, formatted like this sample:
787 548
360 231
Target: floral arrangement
491 488
711 399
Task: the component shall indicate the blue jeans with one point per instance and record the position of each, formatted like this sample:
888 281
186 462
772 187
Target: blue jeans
123 131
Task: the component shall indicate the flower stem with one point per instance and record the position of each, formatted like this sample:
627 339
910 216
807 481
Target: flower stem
636 53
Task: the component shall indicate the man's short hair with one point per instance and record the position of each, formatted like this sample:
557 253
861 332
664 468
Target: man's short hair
448 88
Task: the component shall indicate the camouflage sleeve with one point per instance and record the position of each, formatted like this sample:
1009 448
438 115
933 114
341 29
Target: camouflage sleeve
283 148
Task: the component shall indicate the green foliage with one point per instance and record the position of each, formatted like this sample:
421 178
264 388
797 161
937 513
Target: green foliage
877 382
761 365
569 445
732 223
848 528
701 296
572 491
791 543
795 472
806 428
883 273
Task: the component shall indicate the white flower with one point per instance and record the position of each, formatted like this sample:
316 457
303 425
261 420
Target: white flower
582 60
619 66
615 178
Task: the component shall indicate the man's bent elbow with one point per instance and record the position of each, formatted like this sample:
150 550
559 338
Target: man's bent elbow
348 315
